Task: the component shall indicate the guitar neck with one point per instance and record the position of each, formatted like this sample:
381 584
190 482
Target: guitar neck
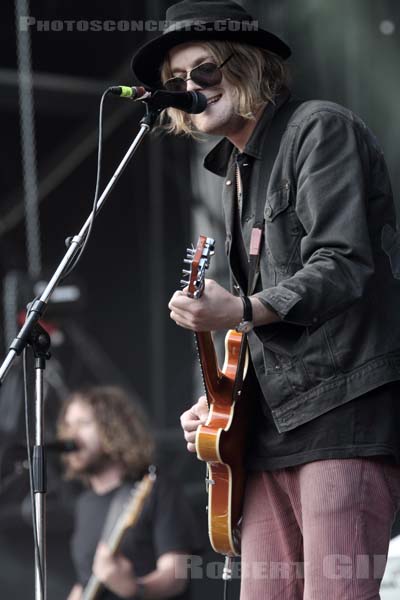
208 361
133 510
92 589
94 586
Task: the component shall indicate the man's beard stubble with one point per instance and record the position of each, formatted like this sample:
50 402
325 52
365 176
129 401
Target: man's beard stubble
93 466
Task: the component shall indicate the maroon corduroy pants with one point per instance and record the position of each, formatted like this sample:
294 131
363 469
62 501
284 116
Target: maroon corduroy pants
318 531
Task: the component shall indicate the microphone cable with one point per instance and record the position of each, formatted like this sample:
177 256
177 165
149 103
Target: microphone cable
76 258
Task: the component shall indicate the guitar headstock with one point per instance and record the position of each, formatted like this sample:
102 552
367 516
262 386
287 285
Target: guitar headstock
198 260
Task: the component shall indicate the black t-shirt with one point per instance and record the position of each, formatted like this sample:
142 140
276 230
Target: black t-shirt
366 426
166 524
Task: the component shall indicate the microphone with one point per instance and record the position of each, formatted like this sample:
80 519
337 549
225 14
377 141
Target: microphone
133 93
61 446
190 102
57 446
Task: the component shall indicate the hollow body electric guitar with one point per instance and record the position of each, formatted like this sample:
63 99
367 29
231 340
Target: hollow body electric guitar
128 518
220 442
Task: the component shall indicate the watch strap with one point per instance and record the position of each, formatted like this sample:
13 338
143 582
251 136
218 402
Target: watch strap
140 592
246 324
247 309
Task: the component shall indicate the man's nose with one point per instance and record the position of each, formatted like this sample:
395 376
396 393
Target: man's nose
191 86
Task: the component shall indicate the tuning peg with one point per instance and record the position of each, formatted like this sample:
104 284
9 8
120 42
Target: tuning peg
185 272
211 246
184 283
187 261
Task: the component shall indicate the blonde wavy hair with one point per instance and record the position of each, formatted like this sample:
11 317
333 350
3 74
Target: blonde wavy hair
122 425
257 76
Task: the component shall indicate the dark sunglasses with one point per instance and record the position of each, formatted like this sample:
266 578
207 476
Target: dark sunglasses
205 75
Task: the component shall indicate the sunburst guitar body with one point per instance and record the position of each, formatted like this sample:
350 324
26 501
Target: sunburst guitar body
221 441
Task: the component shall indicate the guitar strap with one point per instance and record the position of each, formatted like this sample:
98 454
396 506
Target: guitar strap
270 143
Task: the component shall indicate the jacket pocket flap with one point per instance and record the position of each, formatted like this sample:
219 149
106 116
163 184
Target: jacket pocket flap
277 201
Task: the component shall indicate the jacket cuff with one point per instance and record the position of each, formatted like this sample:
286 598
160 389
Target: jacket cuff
279 299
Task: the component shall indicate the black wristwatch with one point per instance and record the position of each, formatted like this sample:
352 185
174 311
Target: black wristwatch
246 324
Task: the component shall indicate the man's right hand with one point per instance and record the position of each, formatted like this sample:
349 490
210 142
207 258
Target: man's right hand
191 419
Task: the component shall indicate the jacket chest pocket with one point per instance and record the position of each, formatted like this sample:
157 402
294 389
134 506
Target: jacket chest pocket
283 230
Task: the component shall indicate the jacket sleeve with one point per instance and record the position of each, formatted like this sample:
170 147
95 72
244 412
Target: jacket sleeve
330 158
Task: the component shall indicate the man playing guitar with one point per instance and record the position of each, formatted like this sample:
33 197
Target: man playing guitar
306 193
114 452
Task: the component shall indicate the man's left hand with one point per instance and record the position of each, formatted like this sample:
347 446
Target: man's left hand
114 571
215 309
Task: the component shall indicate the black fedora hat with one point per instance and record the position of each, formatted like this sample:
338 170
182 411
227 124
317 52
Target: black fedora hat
197 20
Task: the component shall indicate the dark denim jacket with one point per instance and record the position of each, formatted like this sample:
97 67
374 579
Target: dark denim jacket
322 267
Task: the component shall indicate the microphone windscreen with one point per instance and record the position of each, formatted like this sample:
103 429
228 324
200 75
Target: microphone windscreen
61 446
199 103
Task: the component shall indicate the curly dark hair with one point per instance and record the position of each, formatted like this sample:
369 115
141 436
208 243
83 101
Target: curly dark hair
123 427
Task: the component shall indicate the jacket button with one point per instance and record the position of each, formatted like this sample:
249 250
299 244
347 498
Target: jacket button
229 182
269 211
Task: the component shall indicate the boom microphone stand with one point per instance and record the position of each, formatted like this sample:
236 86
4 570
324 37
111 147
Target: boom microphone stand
32 334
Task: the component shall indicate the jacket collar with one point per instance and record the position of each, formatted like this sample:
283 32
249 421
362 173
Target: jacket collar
217 159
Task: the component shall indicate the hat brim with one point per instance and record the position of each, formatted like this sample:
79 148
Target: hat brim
147 61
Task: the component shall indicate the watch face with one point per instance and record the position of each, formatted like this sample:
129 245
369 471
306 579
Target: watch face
245 326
